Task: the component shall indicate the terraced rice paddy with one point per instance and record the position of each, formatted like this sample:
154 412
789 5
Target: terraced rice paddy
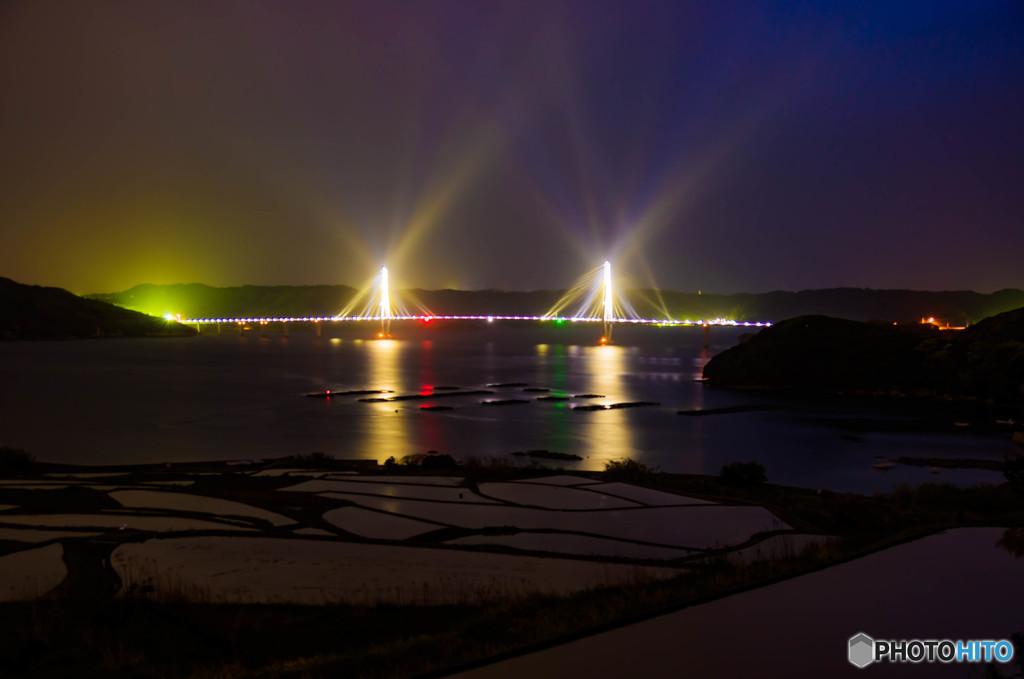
367 537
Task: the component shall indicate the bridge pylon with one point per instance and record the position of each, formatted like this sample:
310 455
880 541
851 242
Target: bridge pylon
609 305
594 299
385 305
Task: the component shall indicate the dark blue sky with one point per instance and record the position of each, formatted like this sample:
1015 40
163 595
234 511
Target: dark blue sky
717 146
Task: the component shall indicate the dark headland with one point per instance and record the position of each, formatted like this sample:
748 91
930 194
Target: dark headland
36 312
983 363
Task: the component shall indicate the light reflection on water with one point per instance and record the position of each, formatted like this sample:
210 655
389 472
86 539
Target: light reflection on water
139 401
384 429
610 430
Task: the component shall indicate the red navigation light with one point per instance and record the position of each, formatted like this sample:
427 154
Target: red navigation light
604 340
427 319
380 335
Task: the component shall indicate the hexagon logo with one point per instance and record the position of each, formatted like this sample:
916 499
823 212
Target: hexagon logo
861 650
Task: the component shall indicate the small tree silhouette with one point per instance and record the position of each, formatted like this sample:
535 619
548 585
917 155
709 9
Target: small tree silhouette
743 474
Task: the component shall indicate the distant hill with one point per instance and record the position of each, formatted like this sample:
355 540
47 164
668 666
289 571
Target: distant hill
203 301
817 353
195 300
35 312
962 307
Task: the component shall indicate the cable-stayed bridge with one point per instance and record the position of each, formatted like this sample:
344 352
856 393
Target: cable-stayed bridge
591 300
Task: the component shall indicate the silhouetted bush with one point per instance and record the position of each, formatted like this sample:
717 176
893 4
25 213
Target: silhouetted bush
744 474
1013 541
1013 470
316 459
435 460
14 462
628 470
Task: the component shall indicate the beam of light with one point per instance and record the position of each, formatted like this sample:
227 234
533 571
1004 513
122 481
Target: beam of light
432 200
441 194
439 173
274 172
652 295
681 187
656 188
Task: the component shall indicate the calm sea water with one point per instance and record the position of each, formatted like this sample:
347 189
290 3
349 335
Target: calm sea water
230 397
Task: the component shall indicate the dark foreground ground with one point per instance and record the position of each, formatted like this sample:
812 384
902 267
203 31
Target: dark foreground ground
91 626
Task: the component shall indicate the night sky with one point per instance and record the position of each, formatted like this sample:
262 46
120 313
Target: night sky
719 146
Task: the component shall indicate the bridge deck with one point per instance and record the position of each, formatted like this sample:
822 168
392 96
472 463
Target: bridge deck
563 319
